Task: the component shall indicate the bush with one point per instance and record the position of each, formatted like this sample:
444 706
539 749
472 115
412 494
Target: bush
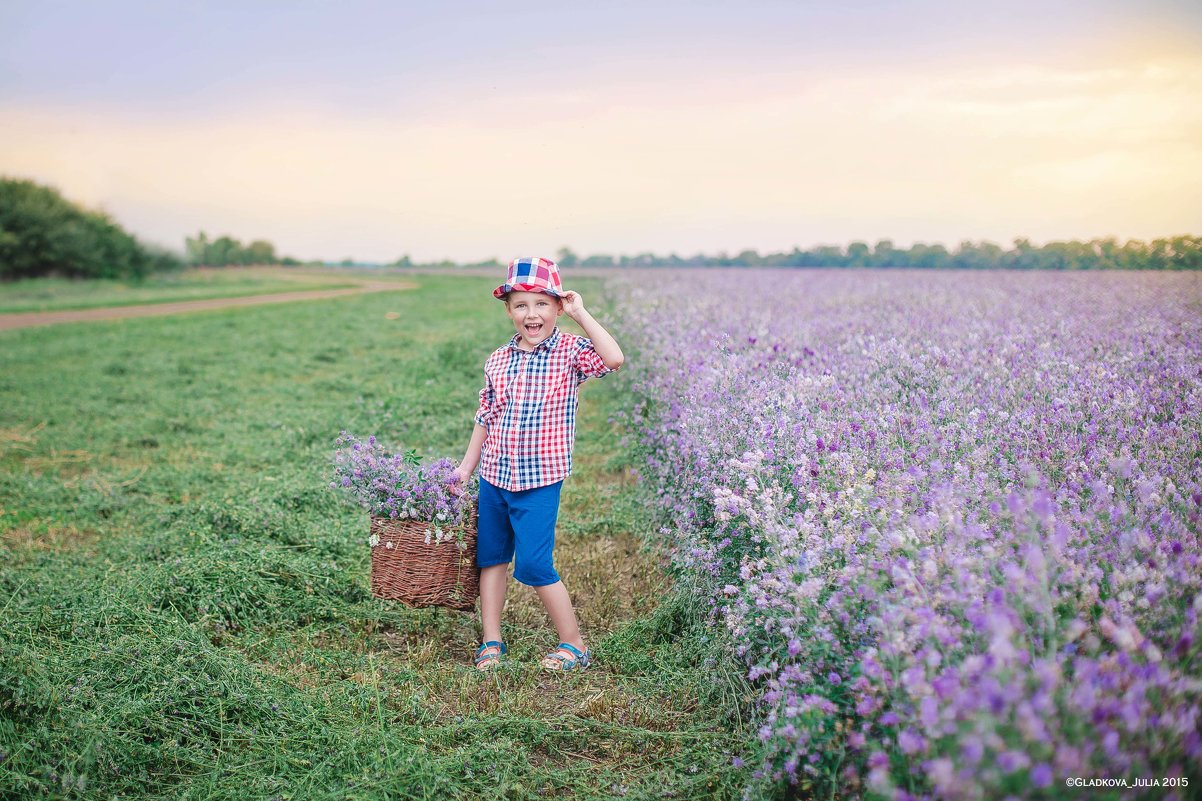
43 233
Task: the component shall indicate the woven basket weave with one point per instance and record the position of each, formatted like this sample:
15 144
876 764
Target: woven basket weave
437 574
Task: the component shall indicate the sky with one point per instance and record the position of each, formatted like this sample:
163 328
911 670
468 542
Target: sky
479 130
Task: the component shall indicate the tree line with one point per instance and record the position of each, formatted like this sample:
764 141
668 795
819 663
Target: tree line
225 251
42 233
1169 253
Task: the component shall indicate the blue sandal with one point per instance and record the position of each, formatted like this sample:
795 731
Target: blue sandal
488 661
581 661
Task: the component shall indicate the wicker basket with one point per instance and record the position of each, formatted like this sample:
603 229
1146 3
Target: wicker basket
424 575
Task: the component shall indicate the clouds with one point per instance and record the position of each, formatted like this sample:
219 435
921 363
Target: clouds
1123 136
611 144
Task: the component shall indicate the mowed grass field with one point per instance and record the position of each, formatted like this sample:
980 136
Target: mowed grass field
184 602
203 283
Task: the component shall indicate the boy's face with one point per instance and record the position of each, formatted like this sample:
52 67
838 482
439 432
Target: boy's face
533 315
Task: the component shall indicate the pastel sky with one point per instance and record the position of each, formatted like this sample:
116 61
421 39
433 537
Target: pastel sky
476 130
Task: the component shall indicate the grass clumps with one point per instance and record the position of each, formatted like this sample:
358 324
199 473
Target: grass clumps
184 602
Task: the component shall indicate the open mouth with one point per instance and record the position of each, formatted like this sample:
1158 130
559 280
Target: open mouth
533 328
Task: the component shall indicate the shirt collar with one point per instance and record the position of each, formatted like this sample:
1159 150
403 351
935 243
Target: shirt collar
547 343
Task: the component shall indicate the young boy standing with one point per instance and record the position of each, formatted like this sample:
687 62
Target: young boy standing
523 438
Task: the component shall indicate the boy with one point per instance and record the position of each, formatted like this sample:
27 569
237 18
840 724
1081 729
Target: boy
523 438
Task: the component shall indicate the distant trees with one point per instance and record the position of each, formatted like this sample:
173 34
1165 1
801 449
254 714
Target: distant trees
566 258
43 233
601 260
443 264
225 251
858 255
1169 253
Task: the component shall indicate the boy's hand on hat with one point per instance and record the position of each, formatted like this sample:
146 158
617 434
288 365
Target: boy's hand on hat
573 304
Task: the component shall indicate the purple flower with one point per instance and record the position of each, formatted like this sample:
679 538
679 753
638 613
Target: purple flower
952 473
400 485
1041 775
1010 761
910 742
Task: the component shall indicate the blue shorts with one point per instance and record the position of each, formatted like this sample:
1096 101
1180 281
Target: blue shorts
523 521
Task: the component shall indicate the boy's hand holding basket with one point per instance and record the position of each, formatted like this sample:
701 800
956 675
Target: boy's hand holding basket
423 523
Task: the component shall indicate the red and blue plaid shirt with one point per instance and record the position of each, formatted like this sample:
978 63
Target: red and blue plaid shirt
528 405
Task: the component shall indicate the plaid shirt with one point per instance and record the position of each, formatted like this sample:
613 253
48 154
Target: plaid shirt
528 405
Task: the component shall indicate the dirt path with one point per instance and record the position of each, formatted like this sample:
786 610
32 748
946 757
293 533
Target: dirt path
28 319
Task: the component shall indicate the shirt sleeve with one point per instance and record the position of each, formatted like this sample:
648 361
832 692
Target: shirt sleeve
589 363
484 413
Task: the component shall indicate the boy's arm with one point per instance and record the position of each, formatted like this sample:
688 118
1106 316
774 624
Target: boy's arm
483 415
472 457
605 345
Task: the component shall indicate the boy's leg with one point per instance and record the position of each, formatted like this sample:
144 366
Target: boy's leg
534 514
494 550
492 599
563 616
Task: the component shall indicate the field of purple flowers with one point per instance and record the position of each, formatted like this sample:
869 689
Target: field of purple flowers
949 520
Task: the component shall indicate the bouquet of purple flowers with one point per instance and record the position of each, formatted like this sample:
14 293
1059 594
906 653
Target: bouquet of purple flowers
400 486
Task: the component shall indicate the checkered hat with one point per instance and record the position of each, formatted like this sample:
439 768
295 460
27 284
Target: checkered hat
531 275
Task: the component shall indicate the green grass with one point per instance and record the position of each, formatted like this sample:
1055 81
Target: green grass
62 294
184 603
